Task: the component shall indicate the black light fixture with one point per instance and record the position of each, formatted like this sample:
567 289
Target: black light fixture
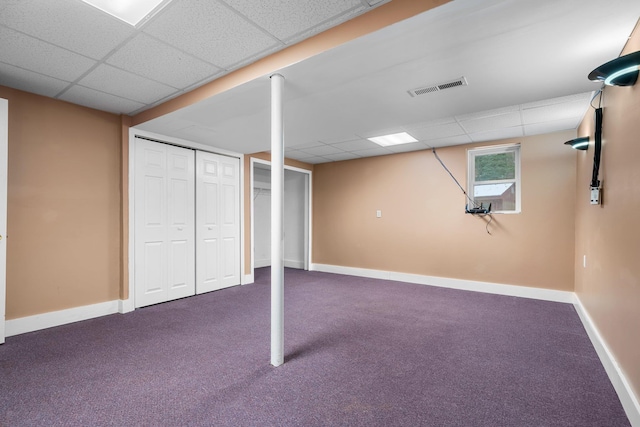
581 143
622 71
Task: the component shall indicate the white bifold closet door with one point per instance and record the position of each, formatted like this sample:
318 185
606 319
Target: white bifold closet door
164 223
217 222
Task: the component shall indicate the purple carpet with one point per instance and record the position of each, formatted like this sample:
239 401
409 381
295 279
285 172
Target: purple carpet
359 352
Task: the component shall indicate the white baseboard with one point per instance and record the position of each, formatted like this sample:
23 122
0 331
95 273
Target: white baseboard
444 282
629 400
290 263
247 279
125 306
37 322
259 263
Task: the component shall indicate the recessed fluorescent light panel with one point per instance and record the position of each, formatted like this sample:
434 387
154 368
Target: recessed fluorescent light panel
129 11
393 139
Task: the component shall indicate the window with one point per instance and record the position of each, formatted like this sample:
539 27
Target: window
494 177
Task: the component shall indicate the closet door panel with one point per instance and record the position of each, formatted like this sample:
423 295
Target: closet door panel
181 219
217 219
164 240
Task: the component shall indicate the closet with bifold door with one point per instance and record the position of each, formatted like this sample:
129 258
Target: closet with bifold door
186 222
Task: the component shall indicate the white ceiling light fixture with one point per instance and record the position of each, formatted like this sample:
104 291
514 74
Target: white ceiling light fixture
393 139
130 11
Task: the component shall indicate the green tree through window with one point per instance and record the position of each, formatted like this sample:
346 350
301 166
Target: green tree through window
491 167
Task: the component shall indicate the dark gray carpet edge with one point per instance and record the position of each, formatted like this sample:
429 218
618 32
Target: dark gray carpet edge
358 352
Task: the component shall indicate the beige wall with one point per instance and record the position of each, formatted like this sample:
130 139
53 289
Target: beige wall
609 234
247 199
424 230
64 219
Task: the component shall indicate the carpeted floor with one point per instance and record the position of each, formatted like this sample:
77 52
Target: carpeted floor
359 352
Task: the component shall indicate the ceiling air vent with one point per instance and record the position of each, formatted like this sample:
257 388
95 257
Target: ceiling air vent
437 88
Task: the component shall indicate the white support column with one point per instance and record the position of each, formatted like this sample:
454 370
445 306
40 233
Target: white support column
277 221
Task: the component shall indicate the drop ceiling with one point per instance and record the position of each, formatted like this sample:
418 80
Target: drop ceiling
525 62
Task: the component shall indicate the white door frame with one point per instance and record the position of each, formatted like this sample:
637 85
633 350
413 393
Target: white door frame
308 210
4 145
129 304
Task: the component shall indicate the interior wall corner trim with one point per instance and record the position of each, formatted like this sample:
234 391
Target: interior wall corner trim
38 322
630 402
461 284
125 306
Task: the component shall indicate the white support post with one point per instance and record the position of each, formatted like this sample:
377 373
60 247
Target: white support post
277 221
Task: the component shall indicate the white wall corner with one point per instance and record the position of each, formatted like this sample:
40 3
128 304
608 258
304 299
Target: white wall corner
247 279
630 402
37 322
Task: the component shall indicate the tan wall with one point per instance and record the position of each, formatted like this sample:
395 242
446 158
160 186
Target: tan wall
609 235
125 124
247 199
63 246
424 230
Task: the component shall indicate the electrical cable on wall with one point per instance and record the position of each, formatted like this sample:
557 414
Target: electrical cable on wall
594 186
477 209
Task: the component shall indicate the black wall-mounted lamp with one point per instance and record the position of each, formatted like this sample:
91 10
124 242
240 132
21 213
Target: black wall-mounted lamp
579 143
622 71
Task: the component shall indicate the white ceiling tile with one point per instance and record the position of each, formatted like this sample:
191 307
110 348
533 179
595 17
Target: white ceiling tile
314 160
325 26
29 81
200 133
307 145
373 152
100 101
551 112
553 126
166 126
432 123
324 150
285 18
43 58
436 131
585 97
338 139
317 160
360 144
67 23
497 134
452 140
491 122
210 31
167 65
338 157
106 78
297 155
254 57
404 148
488 113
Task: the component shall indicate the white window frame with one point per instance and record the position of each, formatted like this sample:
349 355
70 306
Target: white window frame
496 149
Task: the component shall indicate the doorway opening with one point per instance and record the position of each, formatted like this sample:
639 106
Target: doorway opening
297 216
